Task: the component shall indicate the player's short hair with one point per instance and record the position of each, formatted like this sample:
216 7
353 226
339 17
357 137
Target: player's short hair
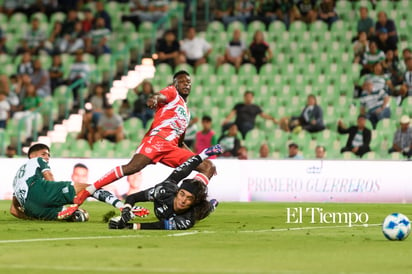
80 165
206 118
180 72
37 147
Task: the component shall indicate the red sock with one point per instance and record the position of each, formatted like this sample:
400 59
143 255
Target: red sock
110 177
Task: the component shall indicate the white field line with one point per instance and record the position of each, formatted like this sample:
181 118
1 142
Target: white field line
178 234
306 228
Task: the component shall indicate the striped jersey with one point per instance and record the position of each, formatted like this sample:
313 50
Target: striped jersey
171 118
378 81
407 80
370 58
374 100
28 174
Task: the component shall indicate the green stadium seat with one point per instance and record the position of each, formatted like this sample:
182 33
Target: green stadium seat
254 26
215 27
363 3
318 26
57 16
235 25
185 67
41 16
384 5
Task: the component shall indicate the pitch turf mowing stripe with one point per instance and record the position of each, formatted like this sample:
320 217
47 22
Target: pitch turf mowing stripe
178 234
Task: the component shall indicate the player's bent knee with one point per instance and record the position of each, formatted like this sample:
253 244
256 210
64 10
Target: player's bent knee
137 163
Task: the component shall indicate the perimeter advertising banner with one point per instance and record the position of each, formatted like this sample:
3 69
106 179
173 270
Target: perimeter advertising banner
258 180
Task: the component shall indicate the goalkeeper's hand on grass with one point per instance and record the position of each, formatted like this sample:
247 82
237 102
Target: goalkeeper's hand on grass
127 214
117 223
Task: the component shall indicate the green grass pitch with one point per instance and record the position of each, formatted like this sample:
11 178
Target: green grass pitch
236 238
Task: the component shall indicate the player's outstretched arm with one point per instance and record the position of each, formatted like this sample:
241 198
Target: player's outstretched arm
157 99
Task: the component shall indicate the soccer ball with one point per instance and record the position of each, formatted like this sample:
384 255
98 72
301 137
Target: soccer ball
80 215
396 227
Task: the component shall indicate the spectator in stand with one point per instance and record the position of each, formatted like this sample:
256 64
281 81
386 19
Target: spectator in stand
235 51
229 141
55 38
68 24
110 126
35 37
41 80
359 137
29 103
206 137
168 50
195 49
306 11
402 139
11 90
243 11
56 72
264 151
125 110
382 42
384 23
3 48
74 41
406 53
192 129
327 12
98 102
102 13
245 113
4 109
310 119
26 65
320 152
379 80
265 11
145 10
88 130
223 10
374 103
360 47
391 68
259 52
406 88
24 84
96 41
11 151
140 108
372 57
365 23
242 153
78 70
293 152
87 22
287 12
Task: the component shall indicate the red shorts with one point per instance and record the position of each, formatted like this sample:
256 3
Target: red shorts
160 150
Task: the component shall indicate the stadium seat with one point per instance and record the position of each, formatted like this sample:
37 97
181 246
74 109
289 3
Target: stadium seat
384 5
185 67
256 25
363 3
235 25
215 27
57 16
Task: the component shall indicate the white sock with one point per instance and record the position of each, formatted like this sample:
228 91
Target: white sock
108 198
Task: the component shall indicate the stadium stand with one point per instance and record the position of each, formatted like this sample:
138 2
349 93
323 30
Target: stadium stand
308 59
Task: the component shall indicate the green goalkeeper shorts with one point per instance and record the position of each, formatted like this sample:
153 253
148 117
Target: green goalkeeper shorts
45 199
